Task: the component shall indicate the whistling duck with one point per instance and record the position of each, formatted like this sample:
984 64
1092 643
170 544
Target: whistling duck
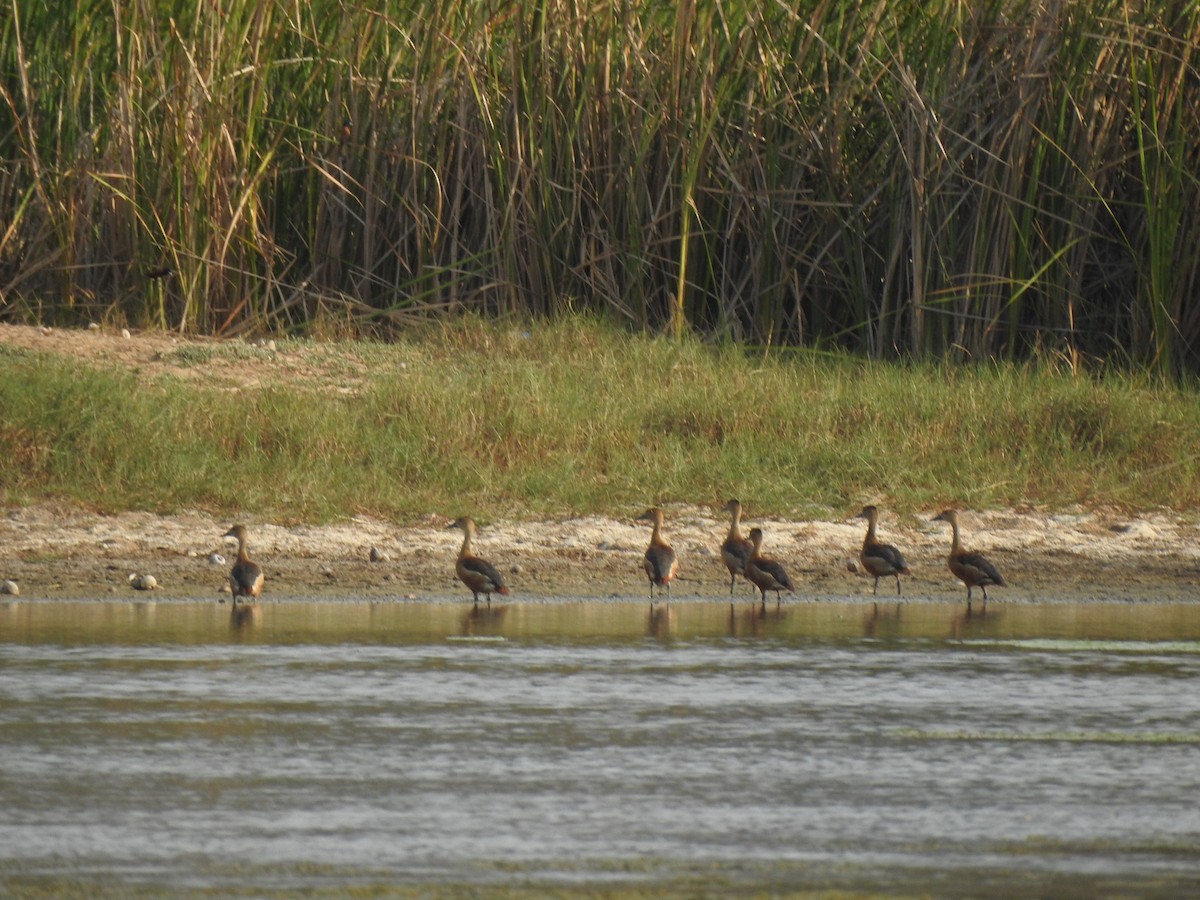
736 549
477 574
763 572
245 578
660 561
877 558
971 568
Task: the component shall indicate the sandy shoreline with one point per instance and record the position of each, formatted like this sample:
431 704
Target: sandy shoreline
57 553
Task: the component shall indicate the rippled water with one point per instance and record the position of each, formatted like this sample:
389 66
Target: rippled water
325 748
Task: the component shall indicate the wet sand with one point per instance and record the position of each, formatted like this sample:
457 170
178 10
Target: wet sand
59 553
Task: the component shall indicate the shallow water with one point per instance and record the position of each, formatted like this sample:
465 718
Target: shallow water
166 749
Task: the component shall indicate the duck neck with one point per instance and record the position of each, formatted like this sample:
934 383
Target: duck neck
870 538
656 537
465 550
954 547
243 553
735 526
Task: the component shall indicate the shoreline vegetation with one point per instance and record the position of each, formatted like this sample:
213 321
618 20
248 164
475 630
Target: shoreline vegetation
1012 180
515 420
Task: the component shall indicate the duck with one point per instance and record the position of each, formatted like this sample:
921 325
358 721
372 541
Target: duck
763 572
879 559
245 578
660 561
972 569
477 574
736 549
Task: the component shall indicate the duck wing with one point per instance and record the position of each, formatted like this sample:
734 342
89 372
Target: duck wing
776 574
981 571
735 552
481 575
884 559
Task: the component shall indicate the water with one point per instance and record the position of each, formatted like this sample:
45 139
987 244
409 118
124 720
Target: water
163 749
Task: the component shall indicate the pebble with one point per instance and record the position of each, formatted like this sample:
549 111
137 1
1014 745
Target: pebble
125 333
10 588
142 582
378 555
216 559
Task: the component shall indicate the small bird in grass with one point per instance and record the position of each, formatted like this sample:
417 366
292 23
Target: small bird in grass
245 578
879 559
736 549
763 572
660 562
971 568
477 574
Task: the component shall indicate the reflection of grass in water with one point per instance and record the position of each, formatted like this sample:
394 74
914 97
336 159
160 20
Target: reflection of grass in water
1070 737
1106 848
1067 644
623 878
614 879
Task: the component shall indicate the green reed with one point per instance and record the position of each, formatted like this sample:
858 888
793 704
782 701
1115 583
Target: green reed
901 179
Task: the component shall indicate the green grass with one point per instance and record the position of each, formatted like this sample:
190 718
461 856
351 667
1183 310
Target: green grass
577 417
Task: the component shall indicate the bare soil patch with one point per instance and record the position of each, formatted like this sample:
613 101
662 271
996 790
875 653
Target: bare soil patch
153 354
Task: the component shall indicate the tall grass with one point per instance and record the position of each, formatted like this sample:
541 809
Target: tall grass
569 416
988 179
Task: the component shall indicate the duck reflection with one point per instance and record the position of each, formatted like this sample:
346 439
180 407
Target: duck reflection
973 620
746 622
882 622
661 621
753 619
485 620
243 616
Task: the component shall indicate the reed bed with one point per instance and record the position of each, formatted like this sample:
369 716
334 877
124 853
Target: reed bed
1003 178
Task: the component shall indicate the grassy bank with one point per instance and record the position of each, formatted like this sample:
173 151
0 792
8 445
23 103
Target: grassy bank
900 179
576 417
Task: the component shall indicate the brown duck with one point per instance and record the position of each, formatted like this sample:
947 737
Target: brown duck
245 578
880 559
660 562
971 568
477 574
736 549
763 572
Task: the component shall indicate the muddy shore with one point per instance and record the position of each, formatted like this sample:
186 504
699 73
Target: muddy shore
58 553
